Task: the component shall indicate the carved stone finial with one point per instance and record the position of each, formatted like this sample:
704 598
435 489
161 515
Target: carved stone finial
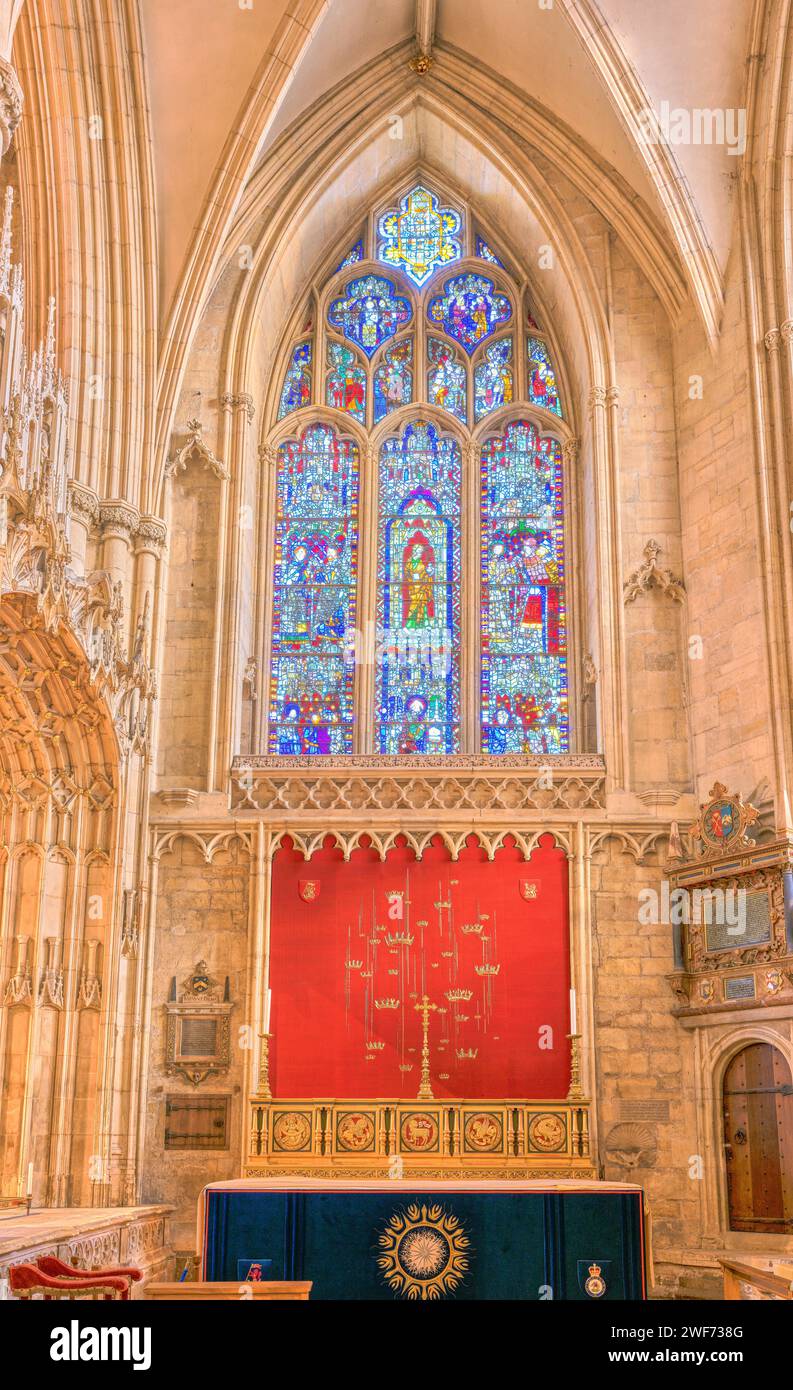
195 449
650 575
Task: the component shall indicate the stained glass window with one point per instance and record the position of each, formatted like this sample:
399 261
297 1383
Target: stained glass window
543 389
345 383
369 312
446 378
493 383
524 652
419 235
354 255
486 253
393 379
296 390
316 560
419 592
469 310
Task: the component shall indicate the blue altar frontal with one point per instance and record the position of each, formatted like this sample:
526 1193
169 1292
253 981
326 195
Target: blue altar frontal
576 1241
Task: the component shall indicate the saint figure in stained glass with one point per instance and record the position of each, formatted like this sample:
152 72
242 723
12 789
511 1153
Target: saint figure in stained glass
469 310
446 378
296 390
543 389
524 655
419 592
369 312
316 552
393 379
345 384
419 236
493 378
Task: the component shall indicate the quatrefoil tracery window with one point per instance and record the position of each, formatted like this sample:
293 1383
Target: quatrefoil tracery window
433 320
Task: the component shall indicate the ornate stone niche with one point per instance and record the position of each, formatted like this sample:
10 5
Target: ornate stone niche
731 910
198 1033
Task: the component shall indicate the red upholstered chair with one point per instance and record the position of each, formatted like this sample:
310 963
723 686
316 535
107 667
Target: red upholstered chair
59 1269
26 1280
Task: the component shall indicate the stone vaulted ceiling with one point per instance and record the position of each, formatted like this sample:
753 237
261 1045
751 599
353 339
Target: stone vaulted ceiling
587 66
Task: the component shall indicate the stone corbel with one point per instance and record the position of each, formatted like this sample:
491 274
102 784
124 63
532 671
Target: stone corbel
195 450
650 575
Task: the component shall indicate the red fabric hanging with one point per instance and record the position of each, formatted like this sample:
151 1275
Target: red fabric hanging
323 1012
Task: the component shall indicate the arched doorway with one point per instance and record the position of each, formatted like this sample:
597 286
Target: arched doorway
758 1140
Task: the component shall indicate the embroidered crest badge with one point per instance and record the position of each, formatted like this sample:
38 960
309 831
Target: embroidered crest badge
308 889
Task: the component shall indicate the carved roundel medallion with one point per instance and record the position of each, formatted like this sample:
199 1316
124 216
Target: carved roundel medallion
483 1133
291 1131
419 1132
547 1132
355 1132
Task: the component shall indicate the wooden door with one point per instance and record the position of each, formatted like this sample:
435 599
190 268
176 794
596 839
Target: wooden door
758 1141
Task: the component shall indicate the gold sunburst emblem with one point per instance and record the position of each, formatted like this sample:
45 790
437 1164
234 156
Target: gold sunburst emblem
425 1252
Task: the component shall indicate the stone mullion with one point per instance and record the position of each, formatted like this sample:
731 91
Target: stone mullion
470 603
367 647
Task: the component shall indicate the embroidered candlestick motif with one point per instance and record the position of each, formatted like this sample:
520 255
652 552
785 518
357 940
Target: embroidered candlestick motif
425 1008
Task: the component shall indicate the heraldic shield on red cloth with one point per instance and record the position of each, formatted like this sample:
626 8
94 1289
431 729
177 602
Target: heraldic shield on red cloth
355 946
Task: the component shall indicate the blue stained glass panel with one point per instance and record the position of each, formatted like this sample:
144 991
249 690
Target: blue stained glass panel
493 383
314 594
419 235
524 643
486 253
543 389
369 312
354 255
469 310
419 592
345 383
393 380
296 390
446 379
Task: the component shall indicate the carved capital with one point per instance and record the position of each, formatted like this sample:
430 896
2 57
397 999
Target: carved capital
786 332
119 518
83 503
240 401
151 535
597 397
570 451
10 104
772 340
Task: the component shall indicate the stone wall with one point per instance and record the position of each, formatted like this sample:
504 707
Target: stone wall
202 914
